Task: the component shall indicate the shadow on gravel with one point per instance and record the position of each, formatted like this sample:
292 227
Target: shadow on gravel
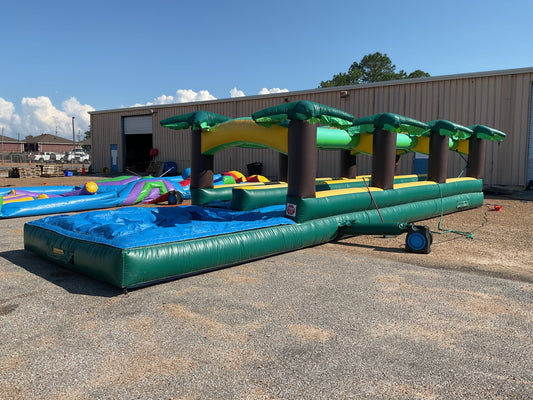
374 248
71 281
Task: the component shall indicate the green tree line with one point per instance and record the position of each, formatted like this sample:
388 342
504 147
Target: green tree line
374 67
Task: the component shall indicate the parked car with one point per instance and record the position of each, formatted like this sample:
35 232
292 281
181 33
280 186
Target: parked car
46 156
57 157
42 156
76 156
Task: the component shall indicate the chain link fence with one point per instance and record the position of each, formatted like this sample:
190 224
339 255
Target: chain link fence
14 158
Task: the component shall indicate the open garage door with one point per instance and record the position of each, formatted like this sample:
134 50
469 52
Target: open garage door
137 142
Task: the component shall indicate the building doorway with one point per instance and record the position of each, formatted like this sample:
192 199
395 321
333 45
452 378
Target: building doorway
138 152
137 142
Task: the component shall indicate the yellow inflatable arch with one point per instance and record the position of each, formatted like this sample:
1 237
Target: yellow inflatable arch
244 132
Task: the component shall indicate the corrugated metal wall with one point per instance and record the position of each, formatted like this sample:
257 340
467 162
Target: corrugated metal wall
498 99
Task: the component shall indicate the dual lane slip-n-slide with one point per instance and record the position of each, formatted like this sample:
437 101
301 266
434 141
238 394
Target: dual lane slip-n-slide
226 225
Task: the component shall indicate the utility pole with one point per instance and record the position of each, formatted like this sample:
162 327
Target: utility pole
2 141
73 137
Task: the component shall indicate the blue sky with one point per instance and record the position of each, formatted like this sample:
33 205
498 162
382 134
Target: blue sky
64 58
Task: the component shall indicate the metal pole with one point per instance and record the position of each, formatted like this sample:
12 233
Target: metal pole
73 137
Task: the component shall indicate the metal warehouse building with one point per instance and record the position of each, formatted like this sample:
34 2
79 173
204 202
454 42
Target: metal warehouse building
122 138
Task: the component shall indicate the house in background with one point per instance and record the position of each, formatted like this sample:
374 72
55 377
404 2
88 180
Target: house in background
10 145
47 142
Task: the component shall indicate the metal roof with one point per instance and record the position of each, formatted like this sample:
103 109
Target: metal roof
150 108
47 138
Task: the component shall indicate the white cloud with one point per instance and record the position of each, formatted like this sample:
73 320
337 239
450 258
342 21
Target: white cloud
164 99
7 109
182 96
186 96
273 90
189 96
236 93
38 115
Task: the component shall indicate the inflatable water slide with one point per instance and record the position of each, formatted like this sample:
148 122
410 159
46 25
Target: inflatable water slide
223 226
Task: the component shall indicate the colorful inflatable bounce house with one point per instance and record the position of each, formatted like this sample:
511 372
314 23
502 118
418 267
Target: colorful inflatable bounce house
231 224
105 193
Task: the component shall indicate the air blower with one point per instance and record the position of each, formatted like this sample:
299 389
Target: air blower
175 197
418 239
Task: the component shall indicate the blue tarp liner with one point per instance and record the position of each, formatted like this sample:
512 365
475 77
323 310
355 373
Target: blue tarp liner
133 227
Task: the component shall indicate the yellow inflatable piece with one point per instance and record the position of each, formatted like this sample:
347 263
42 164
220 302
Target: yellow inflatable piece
257 178
339 192
463 146
91 187
42 196
236 175
244 131
260 187
422 145
366 143
413 184
8 199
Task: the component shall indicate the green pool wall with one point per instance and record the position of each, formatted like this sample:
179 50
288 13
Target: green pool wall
93 259
320 207
246 199
150 264
200 197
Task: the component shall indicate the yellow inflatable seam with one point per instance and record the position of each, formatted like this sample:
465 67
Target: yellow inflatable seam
413 184
339 192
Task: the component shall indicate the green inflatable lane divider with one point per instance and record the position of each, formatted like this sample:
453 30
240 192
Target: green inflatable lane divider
325 206
203 196
249 198
412 212
200 197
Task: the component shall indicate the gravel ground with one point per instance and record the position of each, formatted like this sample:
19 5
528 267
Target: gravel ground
354 319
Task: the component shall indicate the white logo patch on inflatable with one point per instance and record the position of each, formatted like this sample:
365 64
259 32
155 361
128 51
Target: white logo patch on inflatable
291 209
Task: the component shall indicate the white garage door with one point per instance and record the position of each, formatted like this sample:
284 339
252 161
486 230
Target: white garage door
138 125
